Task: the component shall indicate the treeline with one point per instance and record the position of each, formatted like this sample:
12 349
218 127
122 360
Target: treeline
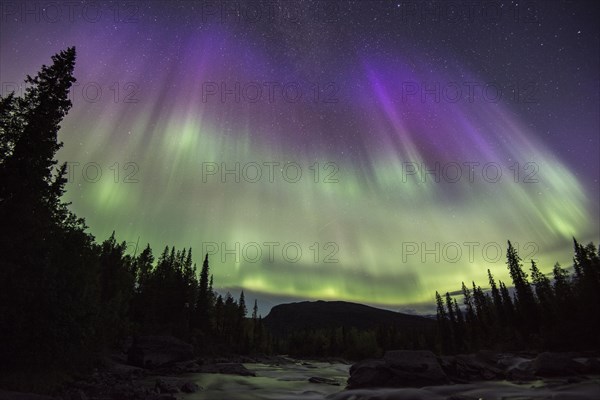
352 343
64 298
169 297
560 312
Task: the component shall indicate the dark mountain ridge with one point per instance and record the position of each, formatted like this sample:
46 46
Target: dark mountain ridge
290 317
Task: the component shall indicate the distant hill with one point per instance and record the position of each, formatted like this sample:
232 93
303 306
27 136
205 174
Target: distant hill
286 318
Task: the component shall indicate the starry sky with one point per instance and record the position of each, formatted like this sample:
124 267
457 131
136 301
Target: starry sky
369 151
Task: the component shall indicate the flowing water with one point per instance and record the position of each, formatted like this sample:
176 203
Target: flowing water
290 382
276 382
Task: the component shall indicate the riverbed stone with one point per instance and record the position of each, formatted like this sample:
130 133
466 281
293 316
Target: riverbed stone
398 368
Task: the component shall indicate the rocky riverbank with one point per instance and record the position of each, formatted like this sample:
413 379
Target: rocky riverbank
117 380
423 368
164 368
151 368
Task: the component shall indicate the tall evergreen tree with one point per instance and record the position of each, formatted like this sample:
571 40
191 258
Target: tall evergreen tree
48 302
468 301
460 328
496 298
562 289
449 306
203 305
452 322
587 267
543 289
242 305
507 303
525 301
116 289
443 324
255 311
255 322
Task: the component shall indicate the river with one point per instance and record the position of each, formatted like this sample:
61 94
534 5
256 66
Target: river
276 382
290 382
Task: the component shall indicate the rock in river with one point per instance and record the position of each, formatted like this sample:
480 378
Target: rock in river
399 368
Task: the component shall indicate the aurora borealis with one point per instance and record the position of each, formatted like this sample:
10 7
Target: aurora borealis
359 98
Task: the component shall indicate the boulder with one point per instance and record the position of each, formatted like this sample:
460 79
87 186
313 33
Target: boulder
235 369
125 372
520 374
475 367
555 364
449 366
166 386
399 368
192 367
369 373
226 368
156 351
189 387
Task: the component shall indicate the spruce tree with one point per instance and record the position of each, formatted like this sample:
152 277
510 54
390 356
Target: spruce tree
443 325
543 288
449 306
525 301
255 323
48 302
496 298
460 328
452 322
242 305
562 289
587 267
507 303
203 304
468 301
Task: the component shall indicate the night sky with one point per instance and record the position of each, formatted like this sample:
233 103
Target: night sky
331 112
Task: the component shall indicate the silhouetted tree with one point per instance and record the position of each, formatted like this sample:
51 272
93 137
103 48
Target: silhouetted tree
507 303
116 289
497 299
525 301
587 282
49 294
204 302
561 315
460 328
444 325
564 293
543 292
